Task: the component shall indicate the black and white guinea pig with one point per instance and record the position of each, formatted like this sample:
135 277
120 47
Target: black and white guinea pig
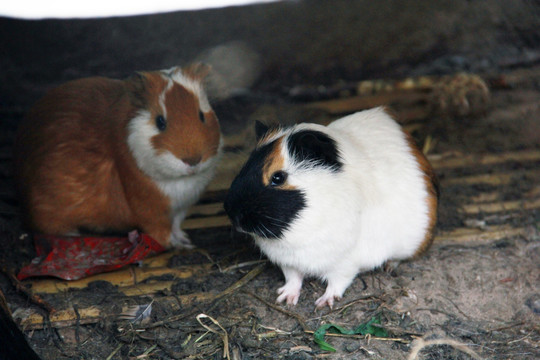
332 201
100 155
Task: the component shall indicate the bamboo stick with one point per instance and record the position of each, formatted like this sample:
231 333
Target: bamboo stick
495 207
160 260
494 196
146 288
456 160
474 236
495 179
485 197
94 314
129 276
206 209
362 102
207 222
62 318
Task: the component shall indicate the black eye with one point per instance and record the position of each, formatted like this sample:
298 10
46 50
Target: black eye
161 123
278 178
201 116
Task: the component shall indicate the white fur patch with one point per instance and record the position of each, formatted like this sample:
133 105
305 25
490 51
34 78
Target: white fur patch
162 97
164 166
189 84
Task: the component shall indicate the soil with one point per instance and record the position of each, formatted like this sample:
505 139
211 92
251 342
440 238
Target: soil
474 286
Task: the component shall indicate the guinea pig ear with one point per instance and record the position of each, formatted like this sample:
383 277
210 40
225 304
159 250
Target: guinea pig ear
197 71
260 130
314 146
136 85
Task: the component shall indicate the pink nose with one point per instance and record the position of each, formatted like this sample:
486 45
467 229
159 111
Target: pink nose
192 161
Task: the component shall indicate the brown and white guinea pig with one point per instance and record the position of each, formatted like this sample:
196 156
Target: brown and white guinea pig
333 201
108 155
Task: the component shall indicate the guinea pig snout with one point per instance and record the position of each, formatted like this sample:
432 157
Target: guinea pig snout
192 160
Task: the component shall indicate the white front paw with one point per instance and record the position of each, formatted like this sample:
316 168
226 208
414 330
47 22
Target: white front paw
290 293
180 240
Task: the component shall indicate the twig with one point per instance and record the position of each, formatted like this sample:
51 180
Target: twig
507 326
298 318
77 325
146 353
351 303
36 299
114 352
371 337
244 264
457 307
243 281
521 339
420 344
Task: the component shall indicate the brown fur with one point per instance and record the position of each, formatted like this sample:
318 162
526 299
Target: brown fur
196 136
274 162
432 185
74 167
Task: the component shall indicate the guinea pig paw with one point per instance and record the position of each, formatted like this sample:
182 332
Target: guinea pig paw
180 240
326 299
289 294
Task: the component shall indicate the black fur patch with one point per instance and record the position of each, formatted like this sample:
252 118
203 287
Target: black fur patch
315 147
259 209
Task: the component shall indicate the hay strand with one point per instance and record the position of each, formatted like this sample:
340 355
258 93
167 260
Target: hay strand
420 344
222 334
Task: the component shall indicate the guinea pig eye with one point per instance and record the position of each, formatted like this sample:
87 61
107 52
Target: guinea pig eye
278 178
201 116
161 123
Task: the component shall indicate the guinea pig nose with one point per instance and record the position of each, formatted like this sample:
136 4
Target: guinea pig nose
192 161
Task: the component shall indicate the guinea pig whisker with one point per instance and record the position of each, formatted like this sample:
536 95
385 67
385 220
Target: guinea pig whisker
268 231
260 230
275 220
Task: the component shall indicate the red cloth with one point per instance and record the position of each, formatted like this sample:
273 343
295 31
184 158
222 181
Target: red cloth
75 257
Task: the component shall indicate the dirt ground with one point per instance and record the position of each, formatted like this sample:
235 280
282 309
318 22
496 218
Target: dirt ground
476 289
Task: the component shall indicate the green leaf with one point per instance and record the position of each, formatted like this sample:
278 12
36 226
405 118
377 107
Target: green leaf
318 336
362 329
367 328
